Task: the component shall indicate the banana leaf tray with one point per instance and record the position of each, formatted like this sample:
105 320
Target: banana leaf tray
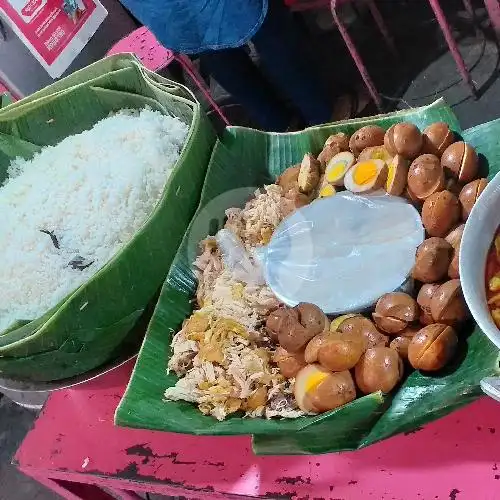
243 160
90 326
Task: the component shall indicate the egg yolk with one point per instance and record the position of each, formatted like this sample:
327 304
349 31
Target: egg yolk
327 191
335 172
314 380
390 175
365 173
381 154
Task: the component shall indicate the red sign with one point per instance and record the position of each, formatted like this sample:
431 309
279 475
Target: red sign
30 8
54 34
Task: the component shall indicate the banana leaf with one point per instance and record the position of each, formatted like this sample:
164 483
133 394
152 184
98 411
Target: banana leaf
5 99
243 160
87 327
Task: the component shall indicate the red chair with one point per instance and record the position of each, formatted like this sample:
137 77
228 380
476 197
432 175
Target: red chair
155 57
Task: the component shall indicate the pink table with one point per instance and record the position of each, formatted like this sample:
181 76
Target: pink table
74 449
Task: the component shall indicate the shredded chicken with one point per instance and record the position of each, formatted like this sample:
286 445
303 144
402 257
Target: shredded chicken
256 222
208 266
222 354
229 372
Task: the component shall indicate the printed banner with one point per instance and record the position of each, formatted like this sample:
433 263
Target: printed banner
55 31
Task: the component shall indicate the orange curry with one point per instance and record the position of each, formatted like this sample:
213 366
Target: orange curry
493 279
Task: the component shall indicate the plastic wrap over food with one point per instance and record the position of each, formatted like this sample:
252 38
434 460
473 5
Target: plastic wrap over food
237 260
342 253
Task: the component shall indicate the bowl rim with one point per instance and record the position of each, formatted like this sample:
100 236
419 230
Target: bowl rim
486 202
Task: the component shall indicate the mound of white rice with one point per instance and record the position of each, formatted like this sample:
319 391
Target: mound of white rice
68 210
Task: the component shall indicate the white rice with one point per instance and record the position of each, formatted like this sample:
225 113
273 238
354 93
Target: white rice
93 191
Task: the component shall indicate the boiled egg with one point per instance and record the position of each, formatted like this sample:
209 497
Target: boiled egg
397 175
366 176
327 190
375 153
337 168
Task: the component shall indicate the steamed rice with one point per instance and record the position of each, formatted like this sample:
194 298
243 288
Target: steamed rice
69 209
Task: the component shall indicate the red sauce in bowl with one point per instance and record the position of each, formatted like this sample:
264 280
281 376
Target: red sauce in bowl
492 278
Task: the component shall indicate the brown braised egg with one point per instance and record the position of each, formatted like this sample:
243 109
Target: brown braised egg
432 347
288 363
317 390
366 137
432 260
340 139
403 139
292 336
440 212
294 328
425 176
341 351
424 299
436 138
379 369
401 343
454 239
461 161
355 324
335 351
312 317
327 154
469 195
394 311
448 304
276 319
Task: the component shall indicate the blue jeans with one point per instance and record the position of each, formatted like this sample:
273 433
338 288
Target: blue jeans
285 73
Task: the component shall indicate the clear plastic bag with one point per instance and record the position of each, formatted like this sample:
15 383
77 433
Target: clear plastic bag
237 260
342 253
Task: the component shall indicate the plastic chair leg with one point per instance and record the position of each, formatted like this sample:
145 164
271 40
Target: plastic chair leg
469 9
445 28
355 56
190 69
382 27
493 8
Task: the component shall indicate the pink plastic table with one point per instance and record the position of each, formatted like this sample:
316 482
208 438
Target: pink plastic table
74 449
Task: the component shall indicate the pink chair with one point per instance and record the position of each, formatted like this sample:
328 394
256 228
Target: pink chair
351 47
155 57
493 9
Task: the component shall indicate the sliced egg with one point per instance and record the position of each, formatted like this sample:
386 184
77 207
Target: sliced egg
337 168
306 381
397 176
375 153
326 189
366 176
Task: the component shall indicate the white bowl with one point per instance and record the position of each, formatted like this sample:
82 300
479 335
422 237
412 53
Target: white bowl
477 238
479 231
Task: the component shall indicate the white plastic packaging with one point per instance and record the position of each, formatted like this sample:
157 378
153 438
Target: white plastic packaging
342 253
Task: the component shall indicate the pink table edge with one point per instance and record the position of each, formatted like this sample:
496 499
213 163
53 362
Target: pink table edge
74 441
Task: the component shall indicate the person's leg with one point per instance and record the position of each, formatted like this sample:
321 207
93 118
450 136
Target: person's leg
279 47
235 72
